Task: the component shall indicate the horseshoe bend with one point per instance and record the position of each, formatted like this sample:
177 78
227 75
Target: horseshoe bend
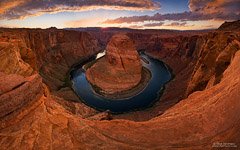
121 68
188 85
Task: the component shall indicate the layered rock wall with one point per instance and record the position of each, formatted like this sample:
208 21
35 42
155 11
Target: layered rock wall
214 56
16 92
50 52
11 59
207 55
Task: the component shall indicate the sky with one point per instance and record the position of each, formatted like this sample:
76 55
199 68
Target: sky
138 14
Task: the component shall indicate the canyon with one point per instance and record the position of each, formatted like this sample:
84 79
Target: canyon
39 110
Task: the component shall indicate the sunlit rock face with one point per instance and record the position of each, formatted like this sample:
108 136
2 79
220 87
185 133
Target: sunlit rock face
120 69
215 54
17 91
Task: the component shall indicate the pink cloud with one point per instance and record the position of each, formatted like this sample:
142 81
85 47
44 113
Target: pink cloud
199 10
17 9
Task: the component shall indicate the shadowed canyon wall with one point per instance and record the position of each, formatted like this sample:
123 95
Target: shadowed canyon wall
50 52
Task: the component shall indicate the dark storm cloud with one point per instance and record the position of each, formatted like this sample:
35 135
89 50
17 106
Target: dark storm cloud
17 9
199 10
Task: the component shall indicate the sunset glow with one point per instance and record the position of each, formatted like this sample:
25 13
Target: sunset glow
146 14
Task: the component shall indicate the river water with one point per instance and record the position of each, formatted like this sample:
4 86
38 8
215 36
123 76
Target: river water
146 98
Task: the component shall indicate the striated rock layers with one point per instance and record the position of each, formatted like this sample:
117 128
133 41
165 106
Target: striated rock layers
17 91
216 52
120 69
50 52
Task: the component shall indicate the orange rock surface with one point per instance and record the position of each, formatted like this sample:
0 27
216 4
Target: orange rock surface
216 53
120 69
51 52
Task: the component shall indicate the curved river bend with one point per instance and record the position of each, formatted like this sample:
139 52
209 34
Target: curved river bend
150 94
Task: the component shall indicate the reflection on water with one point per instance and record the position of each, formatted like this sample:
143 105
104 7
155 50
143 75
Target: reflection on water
101 54
160 76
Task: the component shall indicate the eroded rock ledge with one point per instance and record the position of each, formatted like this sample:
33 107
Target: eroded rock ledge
17 91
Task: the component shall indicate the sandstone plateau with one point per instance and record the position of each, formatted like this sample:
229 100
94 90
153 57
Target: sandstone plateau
38 110
120 69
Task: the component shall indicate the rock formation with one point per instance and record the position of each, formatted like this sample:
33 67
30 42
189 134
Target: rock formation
230 26
197 122
49 52
185 55
11 60
120 69
16 92
217 51
31 117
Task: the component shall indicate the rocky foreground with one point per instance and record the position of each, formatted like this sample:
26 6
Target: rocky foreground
35 113
119 70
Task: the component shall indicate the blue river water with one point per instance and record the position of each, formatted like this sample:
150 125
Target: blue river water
146 98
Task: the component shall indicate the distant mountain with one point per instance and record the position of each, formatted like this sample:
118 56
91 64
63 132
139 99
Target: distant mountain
116 29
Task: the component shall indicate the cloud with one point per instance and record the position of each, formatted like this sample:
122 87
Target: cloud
136 26
159 24
9 4
185 16
154 24
177 24
18 9
199 10
215 6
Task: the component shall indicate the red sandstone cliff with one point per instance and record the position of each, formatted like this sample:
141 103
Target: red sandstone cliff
50 52
197 63
218 49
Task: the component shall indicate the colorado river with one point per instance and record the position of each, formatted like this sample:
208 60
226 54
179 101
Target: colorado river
147 97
